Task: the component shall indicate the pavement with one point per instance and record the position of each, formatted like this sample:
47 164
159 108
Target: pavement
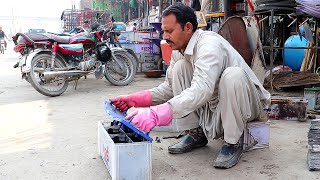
56 138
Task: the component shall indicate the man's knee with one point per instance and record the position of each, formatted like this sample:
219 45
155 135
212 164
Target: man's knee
232 75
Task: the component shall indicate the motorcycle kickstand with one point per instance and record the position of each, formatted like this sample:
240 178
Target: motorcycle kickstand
76 84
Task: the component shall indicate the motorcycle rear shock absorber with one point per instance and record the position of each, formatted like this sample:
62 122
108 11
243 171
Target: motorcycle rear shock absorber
54 52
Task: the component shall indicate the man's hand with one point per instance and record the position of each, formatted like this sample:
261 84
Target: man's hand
146 119
138 99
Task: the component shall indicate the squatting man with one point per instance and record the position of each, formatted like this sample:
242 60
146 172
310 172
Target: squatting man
208 88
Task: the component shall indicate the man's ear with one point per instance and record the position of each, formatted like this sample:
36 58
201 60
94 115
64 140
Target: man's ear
188 26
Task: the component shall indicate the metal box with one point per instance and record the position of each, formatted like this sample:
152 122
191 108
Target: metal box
256 135
125 150
313 97
287 108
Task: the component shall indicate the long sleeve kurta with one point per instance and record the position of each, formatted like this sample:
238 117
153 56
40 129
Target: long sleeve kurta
209 55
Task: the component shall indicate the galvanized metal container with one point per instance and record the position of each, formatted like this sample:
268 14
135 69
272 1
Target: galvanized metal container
313 97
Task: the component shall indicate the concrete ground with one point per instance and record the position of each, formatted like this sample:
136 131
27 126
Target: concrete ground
56 138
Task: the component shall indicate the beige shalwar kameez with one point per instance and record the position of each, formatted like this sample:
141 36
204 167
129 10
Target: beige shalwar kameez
210 85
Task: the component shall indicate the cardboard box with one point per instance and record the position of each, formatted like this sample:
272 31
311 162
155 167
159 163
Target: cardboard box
123 156
256 131
126 37
142 48
143 36
147 57
287 108
148 66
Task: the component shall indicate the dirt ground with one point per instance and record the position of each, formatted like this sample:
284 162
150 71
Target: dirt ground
56 138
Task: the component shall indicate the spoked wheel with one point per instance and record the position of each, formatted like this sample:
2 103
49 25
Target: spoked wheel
54 86
120 70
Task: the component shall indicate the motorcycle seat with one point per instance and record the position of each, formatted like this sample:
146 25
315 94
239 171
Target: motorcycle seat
59 39
49 37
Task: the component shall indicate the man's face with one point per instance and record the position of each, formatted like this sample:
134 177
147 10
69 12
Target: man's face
173 33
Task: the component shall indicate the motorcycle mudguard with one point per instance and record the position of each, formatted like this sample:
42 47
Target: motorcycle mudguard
25 61
117 49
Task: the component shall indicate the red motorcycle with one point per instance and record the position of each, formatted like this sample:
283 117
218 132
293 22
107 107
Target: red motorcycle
49 61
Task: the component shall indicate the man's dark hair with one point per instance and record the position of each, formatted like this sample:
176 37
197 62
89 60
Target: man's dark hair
183 14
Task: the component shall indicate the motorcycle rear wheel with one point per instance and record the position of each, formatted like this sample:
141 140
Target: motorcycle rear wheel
52 88
120 71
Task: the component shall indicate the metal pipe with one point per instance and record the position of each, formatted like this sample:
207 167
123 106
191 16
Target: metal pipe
316 49
52 74
278 47
271 49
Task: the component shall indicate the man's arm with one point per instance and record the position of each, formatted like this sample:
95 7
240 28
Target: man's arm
4 34
163 92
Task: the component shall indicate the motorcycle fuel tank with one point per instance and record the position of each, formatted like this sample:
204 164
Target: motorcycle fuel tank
74 49
83 38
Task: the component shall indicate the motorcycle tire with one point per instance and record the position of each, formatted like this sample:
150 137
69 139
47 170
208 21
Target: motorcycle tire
133 57
40 84
120 71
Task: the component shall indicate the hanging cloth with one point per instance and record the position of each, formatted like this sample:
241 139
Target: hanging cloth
133 3
196 5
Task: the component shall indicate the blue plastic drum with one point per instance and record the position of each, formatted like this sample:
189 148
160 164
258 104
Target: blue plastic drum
294 57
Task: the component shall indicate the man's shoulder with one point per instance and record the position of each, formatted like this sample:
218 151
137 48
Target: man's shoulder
209 37
208 34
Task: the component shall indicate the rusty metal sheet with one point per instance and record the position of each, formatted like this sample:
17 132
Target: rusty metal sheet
234 31
258 64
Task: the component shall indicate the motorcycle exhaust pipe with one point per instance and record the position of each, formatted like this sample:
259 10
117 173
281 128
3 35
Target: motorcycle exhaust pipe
52 74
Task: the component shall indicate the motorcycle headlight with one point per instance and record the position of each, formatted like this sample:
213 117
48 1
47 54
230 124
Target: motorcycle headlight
103 52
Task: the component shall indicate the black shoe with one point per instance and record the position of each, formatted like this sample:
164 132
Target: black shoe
194 139
228 156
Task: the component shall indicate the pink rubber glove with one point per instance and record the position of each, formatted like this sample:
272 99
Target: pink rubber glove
137 99
146 119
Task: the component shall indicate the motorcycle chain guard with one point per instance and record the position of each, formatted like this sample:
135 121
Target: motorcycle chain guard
118 116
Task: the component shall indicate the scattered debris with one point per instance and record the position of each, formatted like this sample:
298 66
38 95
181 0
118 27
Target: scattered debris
182 133
293 79
158 140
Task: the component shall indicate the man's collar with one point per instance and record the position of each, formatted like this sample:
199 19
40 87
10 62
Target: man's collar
192 42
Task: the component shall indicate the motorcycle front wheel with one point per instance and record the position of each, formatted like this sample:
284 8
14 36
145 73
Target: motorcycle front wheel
53 87
120 70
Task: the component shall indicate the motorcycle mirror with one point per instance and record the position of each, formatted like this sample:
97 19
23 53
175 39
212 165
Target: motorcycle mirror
86 21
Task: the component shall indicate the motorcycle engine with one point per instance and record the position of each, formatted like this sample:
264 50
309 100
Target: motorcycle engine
89 63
